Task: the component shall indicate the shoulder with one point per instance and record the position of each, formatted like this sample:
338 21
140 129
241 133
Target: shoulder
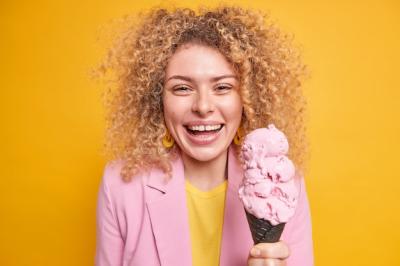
112 175
302 212
303 198
118 190
298 230
121 204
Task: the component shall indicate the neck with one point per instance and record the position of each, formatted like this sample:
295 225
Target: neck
205 175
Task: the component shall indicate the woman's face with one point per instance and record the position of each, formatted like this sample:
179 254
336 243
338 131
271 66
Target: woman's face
202 105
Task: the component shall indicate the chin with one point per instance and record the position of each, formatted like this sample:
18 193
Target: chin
204 155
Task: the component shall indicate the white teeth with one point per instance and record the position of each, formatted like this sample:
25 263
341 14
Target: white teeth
205 128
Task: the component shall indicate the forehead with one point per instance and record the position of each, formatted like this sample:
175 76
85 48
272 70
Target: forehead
198 60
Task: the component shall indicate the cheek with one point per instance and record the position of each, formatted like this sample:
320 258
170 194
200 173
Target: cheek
233 109
171 118
168 112
174 110
168 117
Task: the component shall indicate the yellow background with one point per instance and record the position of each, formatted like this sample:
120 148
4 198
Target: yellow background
52 126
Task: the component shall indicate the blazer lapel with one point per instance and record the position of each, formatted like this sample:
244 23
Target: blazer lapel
236 236
166 203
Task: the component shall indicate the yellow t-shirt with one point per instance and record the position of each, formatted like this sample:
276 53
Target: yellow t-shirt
206 217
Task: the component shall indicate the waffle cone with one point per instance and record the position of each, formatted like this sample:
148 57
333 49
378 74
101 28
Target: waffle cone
263 231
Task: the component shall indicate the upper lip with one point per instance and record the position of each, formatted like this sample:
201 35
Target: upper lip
202 123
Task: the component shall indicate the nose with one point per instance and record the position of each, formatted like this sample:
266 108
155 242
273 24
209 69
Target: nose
203 103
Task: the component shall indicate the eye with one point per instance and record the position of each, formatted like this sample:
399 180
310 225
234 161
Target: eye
223 88
181 90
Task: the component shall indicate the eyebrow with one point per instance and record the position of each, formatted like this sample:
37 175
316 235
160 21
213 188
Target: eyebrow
211 79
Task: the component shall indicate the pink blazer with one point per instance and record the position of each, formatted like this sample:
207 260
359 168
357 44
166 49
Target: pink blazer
145 222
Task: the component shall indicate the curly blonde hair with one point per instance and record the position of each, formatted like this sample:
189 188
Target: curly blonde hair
269 68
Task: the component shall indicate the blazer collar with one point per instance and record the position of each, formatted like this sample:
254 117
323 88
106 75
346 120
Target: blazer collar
158 181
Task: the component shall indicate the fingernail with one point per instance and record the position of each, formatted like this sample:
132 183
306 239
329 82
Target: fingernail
255 252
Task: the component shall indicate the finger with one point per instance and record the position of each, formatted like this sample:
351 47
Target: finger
265 262
278 250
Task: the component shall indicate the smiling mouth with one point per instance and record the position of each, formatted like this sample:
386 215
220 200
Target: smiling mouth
204 129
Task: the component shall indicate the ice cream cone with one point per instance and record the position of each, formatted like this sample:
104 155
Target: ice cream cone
268 190
263 231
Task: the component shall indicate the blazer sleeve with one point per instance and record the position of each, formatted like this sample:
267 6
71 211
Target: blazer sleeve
109 242
299 232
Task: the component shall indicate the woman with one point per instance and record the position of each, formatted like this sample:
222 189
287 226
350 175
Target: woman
187 88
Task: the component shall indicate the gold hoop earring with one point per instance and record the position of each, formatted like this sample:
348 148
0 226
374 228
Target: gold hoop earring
238 136
167 140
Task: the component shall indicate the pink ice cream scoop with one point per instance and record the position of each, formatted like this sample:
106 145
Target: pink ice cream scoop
268 190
